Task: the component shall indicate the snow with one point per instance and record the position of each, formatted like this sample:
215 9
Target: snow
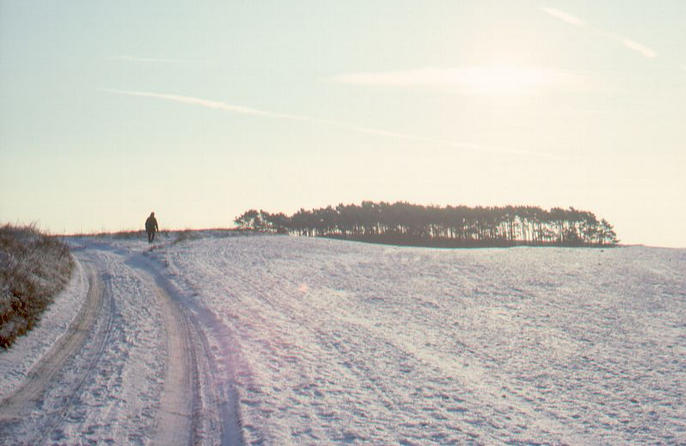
16 362
108 388
339 341
312 341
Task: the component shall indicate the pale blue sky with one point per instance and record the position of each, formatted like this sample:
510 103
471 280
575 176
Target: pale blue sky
201 110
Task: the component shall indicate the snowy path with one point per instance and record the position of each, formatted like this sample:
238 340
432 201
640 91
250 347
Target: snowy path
130 369
278 340
28 396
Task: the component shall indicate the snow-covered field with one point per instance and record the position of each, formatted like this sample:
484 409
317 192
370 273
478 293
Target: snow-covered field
278 340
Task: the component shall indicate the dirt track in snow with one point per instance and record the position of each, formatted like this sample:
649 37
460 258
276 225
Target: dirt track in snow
132 368
30 394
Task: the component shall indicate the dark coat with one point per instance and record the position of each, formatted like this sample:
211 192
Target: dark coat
151 224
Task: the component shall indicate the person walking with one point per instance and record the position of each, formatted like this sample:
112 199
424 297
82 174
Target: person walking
151 227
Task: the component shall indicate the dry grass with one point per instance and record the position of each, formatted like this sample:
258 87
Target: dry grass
34 267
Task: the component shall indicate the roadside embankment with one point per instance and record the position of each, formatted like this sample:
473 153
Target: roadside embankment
34 267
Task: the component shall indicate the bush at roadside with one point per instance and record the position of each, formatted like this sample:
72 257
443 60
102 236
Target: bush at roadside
34 267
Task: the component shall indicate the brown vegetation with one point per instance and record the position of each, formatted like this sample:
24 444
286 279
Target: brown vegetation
34 267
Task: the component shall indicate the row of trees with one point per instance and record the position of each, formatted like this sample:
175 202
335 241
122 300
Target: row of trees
411 224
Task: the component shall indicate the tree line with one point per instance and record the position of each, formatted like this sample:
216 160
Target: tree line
450 226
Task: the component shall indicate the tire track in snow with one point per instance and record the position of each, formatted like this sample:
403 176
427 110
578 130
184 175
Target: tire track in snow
28 397
176 420
77 385
194 408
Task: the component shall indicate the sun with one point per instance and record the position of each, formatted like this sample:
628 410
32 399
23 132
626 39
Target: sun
502 79
491 80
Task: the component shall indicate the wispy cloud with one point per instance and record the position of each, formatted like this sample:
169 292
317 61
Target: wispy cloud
276 115
564 16
470 79
628 43
637 47
209 104
159 60
218 105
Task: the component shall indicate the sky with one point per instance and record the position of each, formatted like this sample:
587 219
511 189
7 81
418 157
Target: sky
202 110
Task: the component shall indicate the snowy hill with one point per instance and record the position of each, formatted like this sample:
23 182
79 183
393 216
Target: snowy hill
283 340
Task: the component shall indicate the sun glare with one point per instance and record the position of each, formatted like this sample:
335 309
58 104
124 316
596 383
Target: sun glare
503 80
473 79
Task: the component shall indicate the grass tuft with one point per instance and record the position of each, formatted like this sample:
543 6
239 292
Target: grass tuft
34 267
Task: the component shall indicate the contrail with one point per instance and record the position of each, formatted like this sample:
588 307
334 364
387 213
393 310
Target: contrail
628 43
209 104
161 60
635 46
564 16
275 115
218 105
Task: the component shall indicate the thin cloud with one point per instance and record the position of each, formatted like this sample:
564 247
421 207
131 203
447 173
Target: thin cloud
470 79
628 43
209 104
637 47
160 60
564 16
218 105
